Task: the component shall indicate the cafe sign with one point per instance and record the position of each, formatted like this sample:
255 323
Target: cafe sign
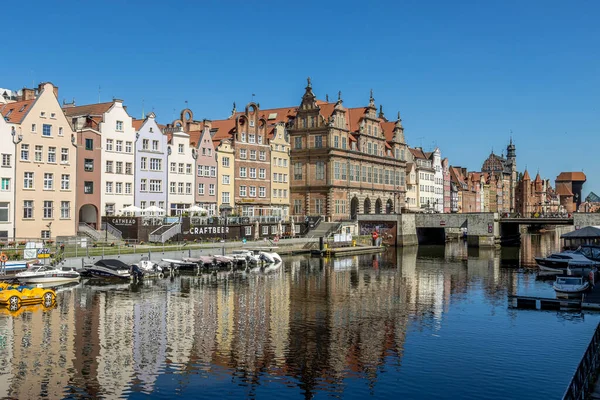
122 221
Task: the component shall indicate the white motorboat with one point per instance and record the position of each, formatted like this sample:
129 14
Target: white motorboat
244 256
147 269
272 267
107 268
266 254
559 262
37 273
180 265
570 286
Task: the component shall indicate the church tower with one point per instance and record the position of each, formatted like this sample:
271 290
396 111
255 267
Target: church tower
511 159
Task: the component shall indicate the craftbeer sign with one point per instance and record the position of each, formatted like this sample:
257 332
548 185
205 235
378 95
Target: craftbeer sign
209 230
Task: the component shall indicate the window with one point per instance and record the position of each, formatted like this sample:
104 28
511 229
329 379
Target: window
260 139
37 154
128 168
155 164
340 206
5 184
275 177
33 127
336 170
253 154
225 179
89 144
48 208
211 189
224 161
28 209
262 173
52 154
298 171
4 212
336 142
109 187
242 172
243 191
155 145
119 167
180 147
172 187
143 187
265 229
201 188
225 197
6 160
298 142
128 146
251 138
65 209
369 148
128 188
109 144
64 155
109 167
25 152
88 187
243 154
297 206
262 155
262 191
188 169
206 170
252 173
88 165
119 187
343 171
247 230
318 206
48 181
274 192
344 143
143 163
180 188
155 185
45 234
180 169
188 188
173 167
119 146
243 137
213 171
145 143
28 180
320 170
252 191
46 130
119 126
318 141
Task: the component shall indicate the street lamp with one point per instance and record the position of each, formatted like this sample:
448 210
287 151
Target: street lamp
16 139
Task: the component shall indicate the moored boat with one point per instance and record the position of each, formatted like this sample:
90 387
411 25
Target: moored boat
37 273
107 269
559 262
570 286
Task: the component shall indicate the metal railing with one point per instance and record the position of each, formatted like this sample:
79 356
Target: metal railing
89 230
113 231
166 235
586 370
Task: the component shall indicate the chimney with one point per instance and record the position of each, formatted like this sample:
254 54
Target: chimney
27 94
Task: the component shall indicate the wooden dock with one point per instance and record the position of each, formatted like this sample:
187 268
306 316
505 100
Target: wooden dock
347 251
589 301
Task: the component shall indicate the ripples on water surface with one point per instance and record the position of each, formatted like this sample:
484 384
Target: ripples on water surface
426 324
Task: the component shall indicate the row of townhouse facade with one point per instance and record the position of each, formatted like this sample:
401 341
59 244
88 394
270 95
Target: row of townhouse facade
71 165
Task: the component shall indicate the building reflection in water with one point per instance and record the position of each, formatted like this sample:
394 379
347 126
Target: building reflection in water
316 322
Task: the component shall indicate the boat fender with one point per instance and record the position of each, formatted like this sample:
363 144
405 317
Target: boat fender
160 275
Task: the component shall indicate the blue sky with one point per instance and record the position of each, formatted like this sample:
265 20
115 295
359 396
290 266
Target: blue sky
464 74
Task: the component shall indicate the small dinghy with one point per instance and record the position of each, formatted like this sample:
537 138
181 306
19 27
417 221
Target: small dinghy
570 286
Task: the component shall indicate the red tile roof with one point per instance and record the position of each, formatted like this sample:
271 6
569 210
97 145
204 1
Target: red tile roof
526 176
418 153
15 112
571 176
88 109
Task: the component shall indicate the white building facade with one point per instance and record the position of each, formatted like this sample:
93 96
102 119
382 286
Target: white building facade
182 160
8 133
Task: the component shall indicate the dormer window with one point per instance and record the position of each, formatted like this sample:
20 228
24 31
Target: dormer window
9 112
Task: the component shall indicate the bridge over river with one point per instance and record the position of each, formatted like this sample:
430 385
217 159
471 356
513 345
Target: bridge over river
483 229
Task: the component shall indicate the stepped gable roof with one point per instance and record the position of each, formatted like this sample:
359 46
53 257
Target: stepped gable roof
571 176
88 109
526 176
593 198
563 189
15 112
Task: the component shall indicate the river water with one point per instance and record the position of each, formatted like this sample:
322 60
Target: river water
411 323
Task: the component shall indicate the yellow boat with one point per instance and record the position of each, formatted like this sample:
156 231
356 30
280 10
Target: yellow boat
16 296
